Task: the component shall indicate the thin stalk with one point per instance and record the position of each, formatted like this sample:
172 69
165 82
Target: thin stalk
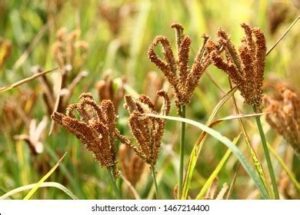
286 169
283 36
267 155
257 163
154 180
114 183
182 141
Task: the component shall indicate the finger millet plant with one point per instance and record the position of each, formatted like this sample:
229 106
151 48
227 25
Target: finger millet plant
163 104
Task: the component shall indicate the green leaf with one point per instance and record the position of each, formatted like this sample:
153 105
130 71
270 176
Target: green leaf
25 80
215 173
44 184
284 166
236 151
43 179
198 146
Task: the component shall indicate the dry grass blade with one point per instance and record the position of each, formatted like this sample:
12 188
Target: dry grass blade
232 183
131 188
25 80
222 192
283 36
58 98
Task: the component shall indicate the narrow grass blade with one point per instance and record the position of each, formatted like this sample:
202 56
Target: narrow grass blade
283 36
25 80
221 103
66 172
233 117
211 125
198 146
216 171
232 183
236 151
222 192
56 104
286 169
42 185
43 179
131 188
212 79
257 164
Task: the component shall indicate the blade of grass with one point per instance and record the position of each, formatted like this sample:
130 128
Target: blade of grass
232 182
219 121
66 172
25 80
43 179
199 143
42 185
159 177
233 117
236 151
216 171
60 93
286 169
212 79
222 192
257 164
283 36
131 188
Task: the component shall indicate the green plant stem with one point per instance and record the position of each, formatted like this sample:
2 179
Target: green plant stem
154 180
267 155
182 141
114 183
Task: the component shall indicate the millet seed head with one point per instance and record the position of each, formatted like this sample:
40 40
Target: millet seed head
96 127
148 131
182 78
244 66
